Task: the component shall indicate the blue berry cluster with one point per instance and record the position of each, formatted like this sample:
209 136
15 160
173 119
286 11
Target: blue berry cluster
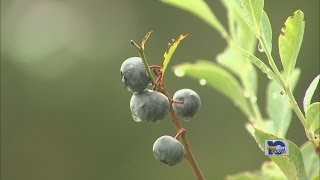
151 105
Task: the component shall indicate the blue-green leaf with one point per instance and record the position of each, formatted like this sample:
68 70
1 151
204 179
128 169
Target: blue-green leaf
309 93
310 159
278 106
217 78
291 165
266 31
200 9
290 41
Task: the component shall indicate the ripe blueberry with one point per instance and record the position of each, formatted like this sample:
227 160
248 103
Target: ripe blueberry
149 106
168 150
188 103
134 74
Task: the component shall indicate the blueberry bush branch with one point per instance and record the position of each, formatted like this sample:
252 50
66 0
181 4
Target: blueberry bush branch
249 26
151 105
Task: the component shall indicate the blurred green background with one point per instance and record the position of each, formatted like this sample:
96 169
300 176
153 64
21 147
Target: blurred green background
65 113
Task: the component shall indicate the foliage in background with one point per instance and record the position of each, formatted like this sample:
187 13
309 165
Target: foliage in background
235 76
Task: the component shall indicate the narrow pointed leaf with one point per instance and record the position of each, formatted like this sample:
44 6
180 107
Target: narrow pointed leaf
217 78
266 31
310 159
261 65
291 165
200 9
290 41
278 105
169 52
309 93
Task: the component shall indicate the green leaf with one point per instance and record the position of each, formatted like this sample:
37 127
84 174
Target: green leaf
291 165
313 121
310 159
243 176
200 9
316 177
169 52
251 12
309 93
270 170
261 65
235 61
217 78
266 31
278 106
290 40
241 32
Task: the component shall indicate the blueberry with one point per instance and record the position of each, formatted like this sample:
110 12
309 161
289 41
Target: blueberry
168 150
149 106
134 74
190 103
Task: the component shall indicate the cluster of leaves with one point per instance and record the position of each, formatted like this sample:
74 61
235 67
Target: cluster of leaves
234 75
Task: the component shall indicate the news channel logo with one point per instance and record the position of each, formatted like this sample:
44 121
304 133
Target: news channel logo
276 147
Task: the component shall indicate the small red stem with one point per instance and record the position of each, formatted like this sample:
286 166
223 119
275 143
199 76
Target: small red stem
181 131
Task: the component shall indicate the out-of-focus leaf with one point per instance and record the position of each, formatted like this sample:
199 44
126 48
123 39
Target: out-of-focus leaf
268 171
278 106
310 159
309 93
313 121
215 77
317 177
243 36
250 11
271 170
266 31
200 9
290 40
169 52
235 61
291 165
243 176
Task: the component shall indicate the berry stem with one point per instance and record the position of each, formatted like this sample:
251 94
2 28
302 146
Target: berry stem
183 139
145 62
181 131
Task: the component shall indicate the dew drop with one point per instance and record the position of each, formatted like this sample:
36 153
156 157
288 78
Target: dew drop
253 99
260 48
269 77
246 94
281 92
203 82
251 119
179 72
136 118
